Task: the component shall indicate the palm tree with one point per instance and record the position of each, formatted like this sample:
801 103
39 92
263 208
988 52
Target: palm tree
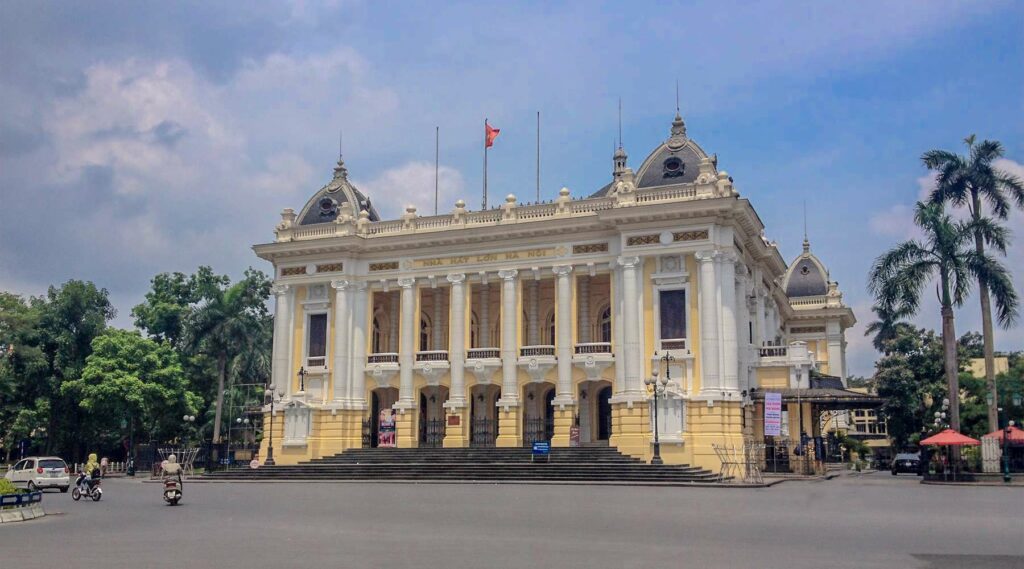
886 328
224 326
898 278
967 181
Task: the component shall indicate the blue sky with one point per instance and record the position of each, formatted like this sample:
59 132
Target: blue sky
144 137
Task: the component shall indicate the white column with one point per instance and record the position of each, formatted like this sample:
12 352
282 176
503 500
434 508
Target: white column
730 347
708 322
759 331
584 306
438 328
563 328
509 342
834 339
631 323
533 331
357 381
743 329
457 349
618 332
407 347
283 297
484 313
341 369
393 319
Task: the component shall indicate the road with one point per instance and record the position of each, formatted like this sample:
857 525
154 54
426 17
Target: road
853 521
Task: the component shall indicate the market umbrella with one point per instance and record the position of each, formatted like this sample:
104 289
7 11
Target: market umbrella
950 438
1016 435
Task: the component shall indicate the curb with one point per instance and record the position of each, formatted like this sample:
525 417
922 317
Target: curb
23 514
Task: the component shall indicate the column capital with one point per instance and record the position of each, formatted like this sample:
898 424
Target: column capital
728 257
706 256
507 274
406 282
562 270
280 289
628 262
361 286
340 284
456 278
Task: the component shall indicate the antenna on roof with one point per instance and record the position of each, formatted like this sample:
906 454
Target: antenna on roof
437 162
807 244
341 142
677 96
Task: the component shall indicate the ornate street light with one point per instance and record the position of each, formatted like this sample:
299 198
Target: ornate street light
189 421
658 388
272 394
302 379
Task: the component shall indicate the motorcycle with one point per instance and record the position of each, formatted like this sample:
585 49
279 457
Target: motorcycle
172 491
89 489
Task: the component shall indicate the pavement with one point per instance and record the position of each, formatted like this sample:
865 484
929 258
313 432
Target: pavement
853 521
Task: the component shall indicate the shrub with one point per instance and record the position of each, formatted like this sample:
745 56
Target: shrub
7 487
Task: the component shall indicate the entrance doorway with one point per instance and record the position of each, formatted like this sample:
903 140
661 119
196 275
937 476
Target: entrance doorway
483 415
538 413
380 398
432 416
595 412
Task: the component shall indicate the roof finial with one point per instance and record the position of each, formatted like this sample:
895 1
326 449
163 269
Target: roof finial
677 96
807 244
340 171
678 126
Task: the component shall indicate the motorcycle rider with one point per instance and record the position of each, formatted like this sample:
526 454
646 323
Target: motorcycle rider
89 473
172 468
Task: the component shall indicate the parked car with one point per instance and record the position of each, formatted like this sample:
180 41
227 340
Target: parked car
38 472
906 462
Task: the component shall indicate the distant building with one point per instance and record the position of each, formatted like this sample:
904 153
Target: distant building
977 366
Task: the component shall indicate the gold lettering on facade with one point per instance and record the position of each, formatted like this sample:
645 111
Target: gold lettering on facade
484 258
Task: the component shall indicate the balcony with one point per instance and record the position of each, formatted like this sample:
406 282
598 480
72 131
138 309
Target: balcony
537 360
484 363
768 351
432 356
593 348
316 362
483 353
382 367
383 358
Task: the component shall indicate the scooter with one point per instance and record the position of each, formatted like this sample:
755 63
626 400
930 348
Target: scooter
90 489
172 491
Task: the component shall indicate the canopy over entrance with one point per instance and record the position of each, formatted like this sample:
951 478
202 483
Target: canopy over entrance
950 438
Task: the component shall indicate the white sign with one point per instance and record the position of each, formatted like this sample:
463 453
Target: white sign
772 414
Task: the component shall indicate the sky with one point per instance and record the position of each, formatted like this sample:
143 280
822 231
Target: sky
145 137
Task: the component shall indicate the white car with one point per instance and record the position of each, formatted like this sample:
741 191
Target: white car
38 472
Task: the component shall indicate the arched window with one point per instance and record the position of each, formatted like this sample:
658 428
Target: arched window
604 325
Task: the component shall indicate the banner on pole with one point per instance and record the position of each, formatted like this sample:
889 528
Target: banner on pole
386 430
772 414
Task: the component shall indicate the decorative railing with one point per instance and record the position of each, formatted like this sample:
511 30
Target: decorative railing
773 351
481 353
383 358
673 344
432 356
316 362
528 351
807 301
518 213
594 348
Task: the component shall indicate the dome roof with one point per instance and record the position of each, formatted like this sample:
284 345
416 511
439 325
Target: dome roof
325 205
675 161
806 275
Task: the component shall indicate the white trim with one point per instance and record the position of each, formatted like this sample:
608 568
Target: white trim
657 289
307 314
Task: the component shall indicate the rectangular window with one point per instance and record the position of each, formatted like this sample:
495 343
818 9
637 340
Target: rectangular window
672 312
750 333
317 352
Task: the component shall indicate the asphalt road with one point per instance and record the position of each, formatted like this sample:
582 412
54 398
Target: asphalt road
855 521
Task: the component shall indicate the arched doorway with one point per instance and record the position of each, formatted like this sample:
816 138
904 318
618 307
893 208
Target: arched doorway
595 412
538 412
483 415
380 398
432 416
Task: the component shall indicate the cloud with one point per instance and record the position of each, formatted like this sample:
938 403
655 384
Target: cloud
413 184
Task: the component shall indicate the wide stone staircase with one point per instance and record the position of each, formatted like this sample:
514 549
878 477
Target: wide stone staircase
584 464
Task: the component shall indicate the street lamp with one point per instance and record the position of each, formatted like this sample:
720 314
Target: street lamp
244 424
302 379
658 387
189 421
272 394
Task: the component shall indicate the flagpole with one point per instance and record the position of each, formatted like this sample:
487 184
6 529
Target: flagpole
485 164
437 158
538 156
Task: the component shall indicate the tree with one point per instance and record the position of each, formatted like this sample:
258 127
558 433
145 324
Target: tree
898 278
910 380
223 326
23 372
169 301
885 328
128 376
968 181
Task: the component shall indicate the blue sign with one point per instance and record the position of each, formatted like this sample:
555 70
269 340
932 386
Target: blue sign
541 447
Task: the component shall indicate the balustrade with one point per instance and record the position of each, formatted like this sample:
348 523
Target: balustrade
432 356
383 358
481 353
594 348
527 351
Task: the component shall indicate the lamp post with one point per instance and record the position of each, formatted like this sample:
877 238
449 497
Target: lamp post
189 421
302 379
272 394
658 387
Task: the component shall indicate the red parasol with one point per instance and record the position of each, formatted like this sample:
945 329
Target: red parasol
948 438
1016 435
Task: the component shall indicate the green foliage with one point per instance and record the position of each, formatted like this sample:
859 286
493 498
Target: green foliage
910 380
130 376
8 487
